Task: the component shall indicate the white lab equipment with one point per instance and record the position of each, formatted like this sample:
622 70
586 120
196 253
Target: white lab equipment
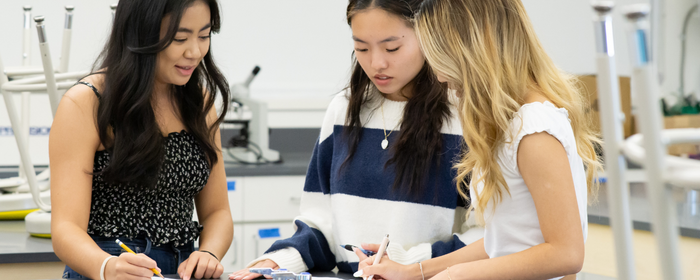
252 145
113 7
19 184
615 165
654 160
37 223
665 174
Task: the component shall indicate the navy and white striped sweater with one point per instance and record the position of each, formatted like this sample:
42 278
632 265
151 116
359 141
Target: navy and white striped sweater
357 205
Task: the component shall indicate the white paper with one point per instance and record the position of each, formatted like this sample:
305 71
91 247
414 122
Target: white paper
326 278
166 278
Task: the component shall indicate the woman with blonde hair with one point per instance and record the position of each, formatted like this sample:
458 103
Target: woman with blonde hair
531 149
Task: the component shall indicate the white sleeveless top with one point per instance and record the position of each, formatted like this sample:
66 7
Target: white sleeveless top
514 225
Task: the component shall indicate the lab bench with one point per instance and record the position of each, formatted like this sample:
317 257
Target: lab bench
264 200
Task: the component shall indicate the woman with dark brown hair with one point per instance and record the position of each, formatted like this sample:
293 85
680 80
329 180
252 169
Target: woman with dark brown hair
383 162
135 147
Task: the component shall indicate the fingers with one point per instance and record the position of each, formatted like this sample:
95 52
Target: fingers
181 267
192 263
245 273
206 268
370 247
359 254
368 261
139 260
134 265
200 266
201 270
218 271
376 270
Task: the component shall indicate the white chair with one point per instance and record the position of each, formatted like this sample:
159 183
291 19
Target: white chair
666 174
37 223
19 183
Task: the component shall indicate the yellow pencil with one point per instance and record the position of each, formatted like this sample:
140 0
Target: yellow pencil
131 251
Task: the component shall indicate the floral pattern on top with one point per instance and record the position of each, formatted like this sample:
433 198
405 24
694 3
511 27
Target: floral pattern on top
163 213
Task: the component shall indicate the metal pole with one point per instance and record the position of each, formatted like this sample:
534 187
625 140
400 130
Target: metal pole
27 35
114 9
67 34
611 126
22 144
26 47
661 198
48 65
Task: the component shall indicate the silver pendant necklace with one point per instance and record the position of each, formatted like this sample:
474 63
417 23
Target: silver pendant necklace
385 142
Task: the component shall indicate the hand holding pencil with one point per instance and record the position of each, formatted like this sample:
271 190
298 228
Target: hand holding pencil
155 271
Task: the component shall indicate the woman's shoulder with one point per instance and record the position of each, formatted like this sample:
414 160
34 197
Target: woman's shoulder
86 91
541 114
340 101
539 117
338 107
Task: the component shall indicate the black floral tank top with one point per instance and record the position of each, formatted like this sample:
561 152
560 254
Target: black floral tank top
163 213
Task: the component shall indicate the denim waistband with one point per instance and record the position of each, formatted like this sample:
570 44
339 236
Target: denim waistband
141 244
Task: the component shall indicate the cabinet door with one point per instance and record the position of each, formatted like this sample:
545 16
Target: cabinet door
235 197
272 198
259 237
233 260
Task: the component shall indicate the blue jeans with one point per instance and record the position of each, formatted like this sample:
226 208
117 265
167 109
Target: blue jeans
167 256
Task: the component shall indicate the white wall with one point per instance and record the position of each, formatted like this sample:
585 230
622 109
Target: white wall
303 48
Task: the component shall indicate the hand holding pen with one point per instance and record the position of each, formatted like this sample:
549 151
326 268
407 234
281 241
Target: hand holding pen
375 260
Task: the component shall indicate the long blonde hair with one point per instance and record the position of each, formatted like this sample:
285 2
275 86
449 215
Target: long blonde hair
488 50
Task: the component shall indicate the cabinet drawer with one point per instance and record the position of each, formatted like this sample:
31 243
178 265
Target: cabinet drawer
259 237
233 260
235 197
272 198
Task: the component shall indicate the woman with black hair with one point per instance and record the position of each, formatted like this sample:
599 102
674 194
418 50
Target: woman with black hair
135 147
383 162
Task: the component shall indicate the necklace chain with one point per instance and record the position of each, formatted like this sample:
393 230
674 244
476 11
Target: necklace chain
385 142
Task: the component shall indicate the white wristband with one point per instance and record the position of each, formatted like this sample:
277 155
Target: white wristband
104 264
421 270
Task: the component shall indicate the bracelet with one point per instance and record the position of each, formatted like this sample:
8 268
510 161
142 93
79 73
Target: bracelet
210 253
102 268
448 273
421 270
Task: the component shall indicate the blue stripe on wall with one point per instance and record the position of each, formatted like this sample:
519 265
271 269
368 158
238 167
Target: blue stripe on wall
34 131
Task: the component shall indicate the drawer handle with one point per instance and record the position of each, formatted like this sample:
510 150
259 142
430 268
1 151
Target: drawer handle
235 252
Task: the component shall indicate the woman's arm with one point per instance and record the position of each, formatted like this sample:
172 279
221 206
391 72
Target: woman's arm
215 215
435 257
312 246
72 145
389 269
544 165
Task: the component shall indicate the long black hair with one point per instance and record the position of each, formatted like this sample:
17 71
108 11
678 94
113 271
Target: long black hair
125 117
418 149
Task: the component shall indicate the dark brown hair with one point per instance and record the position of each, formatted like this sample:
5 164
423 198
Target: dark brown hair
418 149
129 57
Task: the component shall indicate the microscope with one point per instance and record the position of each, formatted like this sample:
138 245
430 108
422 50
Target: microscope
249 117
